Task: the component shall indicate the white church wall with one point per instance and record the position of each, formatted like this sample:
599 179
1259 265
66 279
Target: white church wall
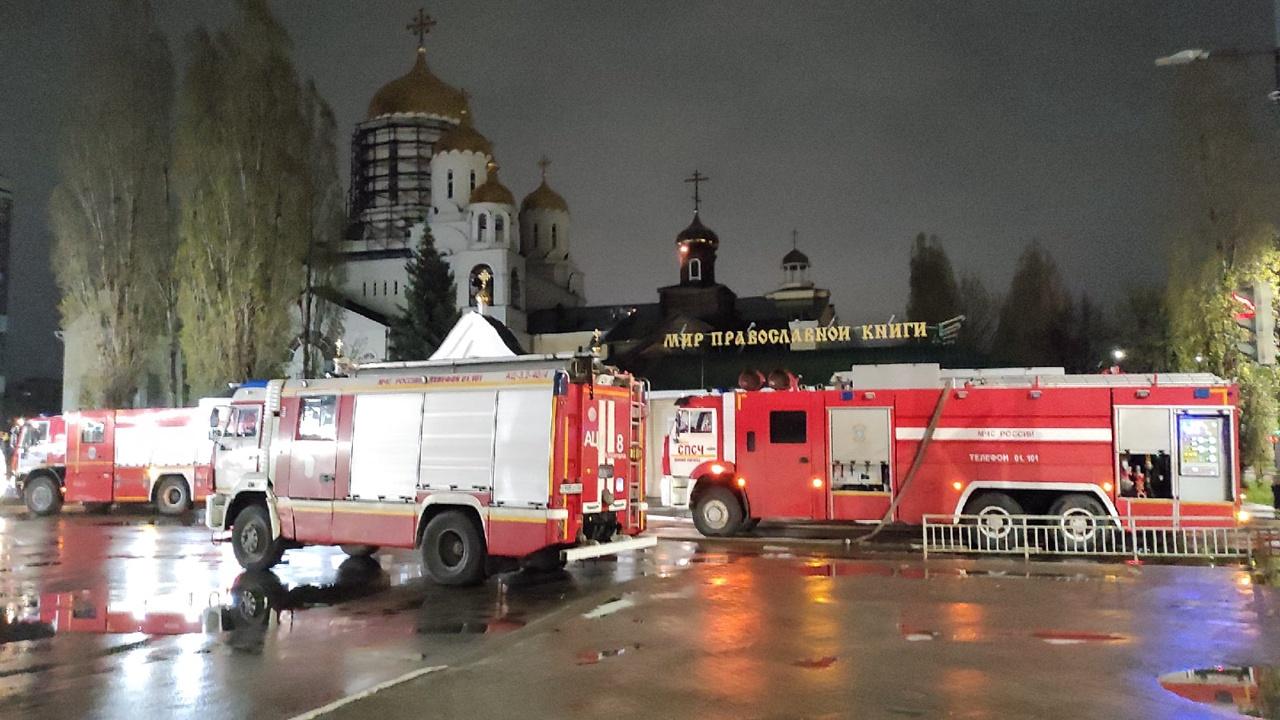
376 284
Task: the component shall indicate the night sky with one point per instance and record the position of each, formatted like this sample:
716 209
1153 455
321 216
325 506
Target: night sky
858 124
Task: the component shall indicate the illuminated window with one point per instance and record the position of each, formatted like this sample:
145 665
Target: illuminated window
318 418
695 269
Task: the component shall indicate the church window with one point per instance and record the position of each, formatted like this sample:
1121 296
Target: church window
499 225
395 287
449 186
535 233
554 242
473 180
515 288
695 269
480 290
482 226
375 289
364 288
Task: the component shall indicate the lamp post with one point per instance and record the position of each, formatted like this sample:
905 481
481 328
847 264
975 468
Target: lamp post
1194 55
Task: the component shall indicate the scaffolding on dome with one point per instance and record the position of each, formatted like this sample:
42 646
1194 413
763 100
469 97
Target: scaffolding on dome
390 187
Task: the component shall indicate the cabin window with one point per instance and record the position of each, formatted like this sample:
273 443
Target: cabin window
787 427
318 418
244 421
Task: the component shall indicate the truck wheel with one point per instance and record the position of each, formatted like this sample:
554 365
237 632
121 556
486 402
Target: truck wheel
359 551
173 497
255 594
452 550
251 539
1081 521
717 513
42 495
995 525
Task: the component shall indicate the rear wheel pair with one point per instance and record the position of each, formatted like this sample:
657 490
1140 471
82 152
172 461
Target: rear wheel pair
1079 521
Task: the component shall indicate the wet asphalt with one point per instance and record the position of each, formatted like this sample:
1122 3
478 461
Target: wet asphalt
131 616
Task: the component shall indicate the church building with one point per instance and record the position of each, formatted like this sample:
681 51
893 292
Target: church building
418 165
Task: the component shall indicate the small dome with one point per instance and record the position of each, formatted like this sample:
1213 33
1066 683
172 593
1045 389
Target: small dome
698 232
544 198
419 92
492 190
462 138
795 257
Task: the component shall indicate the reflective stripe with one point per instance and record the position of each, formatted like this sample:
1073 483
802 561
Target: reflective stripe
1009 434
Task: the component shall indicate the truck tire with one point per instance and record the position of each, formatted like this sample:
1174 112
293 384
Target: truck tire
173 497
42 495
718 513
995 528
359 551
453 552
251 539
1081 521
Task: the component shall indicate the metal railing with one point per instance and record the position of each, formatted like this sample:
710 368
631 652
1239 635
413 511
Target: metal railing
1132 536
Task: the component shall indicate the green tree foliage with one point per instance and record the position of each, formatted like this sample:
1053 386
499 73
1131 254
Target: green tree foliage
1144 316
1036 315
1225 236
246 158
430 310
108 213
934 296
321 322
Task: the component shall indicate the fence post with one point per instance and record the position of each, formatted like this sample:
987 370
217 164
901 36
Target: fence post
1133 537
1026 546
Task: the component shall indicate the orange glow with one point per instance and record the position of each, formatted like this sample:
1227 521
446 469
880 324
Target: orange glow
817 482
683 249
717 468
956 485
742 482
1108 487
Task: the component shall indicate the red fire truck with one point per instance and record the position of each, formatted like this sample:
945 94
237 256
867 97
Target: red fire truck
478 463
1081 448
101 457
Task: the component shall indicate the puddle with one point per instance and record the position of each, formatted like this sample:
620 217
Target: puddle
1060 637
816 663
478 627
1249 690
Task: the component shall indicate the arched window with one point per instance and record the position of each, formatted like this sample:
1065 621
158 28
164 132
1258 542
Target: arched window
695 269
554 240
499 227
364 288
449 187
481 286
482 226
514 289
473 180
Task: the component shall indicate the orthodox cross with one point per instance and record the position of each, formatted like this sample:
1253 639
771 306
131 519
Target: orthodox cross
697 179
543 164
420 26
794 233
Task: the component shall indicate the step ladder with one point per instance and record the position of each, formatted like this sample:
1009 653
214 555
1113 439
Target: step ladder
636 452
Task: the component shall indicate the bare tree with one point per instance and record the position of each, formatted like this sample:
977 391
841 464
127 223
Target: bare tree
108 211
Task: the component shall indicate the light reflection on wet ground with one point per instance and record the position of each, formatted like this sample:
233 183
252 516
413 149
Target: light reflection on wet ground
1252 691
133 616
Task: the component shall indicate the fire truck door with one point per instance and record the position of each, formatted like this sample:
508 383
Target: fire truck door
313 467
236 449
90 461
1204 465
781 469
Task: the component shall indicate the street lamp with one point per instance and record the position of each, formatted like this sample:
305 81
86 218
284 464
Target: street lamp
1193 55
1117 354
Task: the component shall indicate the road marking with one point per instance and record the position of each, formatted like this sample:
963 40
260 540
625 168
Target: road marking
309 715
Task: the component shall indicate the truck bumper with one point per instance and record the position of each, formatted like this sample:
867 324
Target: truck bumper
610 548
215 510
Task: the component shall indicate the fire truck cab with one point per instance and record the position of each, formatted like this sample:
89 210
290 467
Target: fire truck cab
1082 448
532 460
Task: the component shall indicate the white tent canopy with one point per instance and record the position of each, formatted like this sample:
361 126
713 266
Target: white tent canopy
474 336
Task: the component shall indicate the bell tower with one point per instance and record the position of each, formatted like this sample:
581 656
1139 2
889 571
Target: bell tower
696 244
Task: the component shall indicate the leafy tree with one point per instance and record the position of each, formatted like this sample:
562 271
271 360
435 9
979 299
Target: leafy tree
321 322
933 296
1035 317
248 139
1225 237
1144 315
109 216
430 310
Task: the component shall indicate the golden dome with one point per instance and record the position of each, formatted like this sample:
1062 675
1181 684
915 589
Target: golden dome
463 137
492 190
419 92
544 198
